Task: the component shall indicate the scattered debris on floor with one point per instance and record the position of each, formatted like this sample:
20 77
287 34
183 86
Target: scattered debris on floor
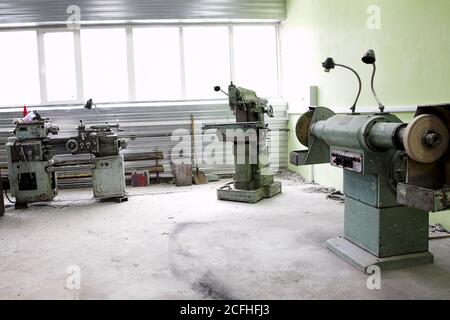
294 178
211 288
337 195
437 231
331 193
290 176
315 188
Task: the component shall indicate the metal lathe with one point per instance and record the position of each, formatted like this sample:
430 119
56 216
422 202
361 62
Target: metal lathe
395 173
253 177
32 165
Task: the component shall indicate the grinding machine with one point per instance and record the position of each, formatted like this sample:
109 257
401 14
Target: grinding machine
32 160
253 177
395 174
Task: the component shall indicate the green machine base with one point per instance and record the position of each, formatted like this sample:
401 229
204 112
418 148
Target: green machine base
389 237
116 200
362 259
249 196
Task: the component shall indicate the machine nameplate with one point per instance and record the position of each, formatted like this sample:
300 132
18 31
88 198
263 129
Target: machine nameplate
347 160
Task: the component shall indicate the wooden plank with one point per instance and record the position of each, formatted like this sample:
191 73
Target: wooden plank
142 156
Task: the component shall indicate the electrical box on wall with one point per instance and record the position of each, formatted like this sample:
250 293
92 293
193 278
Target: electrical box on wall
311 97
301 103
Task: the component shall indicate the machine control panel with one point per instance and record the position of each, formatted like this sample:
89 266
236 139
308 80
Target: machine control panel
31 151
35 130
347 160
84 143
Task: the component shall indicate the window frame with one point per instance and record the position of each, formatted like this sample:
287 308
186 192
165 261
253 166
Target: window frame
278 56
42 66
231 61
34 30
130 63
181 57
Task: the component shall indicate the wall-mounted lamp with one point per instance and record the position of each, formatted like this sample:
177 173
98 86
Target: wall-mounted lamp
329 64
89 104
217 89
369 58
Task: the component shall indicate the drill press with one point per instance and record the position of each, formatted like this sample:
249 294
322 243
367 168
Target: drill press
394 175
253 178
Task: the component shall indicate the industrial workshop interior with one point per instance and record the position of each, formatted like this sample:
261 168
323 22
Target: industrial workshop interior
243 150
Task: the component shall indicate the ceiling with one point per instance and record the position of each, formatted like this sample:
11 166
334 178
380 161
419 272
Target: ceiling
41 12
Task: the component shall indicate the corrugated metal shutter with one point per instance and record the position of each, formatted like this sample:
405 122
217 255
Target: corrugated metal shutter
44 11
154 123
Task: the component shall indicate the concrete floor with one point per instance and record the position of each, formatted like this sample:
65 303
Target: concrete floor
181 243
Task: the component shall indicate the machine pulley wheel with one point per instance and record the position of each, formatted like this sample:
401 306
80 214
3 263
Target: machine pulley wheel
426 138
302 127
72 145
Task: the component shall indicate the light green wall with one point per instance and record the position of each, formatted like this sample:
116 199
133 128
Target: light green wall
412 50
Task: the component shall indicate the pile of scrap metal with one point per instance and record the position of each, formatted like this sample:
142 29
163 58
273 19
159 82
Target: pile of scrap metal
394 175
33 159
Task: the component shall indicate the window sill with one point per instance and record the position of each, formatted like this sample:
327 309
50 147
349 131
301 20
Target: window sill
140 104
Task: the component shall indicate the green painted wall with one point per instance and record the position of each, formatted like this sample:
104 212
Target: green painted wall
412 47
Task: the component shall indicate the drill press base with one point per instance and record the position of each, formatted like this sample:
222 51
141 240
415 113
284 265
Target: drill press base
249 196
362 259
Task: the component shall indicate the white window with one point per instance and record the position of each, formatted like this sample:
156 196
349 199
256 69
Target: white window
255 53
152 63
104 60
157 63
19 77
60 66
207 60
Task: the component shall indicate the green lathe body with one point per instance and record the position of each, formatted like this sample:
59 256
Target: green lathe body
32 165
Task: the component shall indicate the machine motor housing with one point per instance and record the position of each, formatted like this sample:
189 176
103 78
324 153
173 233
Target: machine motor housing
108 177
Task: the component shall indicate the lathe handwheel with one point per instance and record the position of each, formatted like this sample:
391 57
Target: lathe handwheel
72 145
426 139
302 127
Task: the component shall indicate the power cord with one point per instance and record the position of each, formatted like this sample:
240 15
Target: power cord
7 197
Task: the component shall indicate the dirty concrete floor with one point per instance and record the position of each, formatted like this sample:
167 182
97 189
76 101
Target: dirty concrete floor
181 243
